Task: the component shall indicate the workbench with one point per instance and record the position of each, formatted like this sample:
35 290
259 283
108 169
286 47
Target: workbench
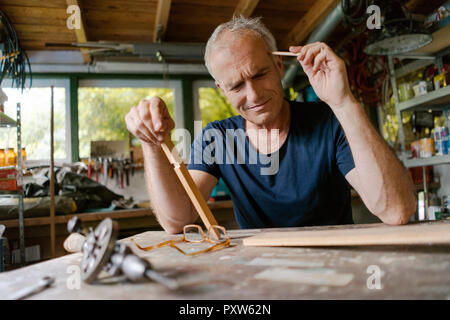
243 272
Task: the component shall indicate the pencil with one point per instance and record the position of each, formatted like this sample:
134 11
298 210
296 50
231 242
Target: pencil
284 53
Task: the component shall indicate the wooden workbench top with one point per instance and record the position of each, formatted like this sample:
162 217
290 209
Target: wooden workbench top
240 272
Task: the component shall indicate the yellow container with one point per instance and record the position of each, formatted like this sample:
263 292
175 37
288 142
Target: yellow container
10 157
2 157
427 149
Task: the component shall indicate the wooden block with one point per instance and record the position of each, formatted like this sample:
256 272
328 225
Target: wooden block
379 234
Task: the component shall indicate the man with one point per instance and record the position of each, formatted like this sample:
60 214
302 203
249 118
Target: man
316 158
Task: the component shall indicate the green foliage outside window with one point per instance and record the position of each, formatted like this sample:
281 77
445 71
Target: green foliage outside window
101 112
214 105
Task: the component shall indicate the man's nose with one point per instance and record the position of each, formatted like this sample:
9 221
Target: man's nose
253 92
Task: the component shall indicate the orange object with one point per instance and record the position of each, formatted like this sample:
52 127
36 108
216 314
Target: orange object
24 154
24 157
8 180
2 157
427 147
10 158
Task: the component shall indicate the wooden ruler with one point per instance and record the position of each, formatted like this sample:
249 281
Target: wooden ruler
189 185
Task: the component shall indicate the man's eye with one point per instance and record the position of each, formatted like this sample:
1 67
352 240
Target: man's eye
236 87
260 75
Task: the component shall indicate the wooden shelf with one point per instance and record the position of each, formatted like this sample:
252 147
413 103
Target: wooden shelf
92 216
98 216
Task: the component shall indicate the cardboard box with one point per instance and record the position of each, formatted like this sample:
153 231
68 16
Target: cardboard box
32 254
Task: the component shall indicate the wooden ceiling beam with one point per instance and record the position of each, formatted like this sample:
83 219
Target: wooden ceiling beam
245 7
80 33
161 19
313 17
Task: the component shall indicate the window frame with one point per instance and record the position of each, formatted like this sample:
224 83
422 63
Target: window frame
47 83
138 83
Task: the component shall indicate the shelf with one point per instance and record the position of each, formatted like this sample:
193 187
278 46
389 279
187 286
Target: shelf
11 193
420 162
433 99
6 121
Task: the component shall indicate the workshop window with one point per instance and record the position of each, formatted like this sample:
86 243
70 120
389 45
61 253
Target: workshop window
102 110
214 105
35 112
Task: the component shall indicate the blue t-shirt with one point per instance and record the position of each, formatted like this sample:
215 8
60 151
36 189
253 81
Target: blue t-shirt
301 184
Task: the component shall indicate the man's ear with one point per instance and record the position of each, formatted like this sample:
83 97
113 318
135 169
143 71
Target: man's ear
218 86
280 65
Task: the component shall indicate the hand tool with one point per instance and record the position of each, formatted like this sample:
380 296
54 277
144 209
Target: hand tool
102 252
42 284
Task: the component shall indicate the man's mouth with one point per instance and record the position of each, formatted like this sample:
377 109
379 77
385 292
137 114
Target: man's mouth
258 106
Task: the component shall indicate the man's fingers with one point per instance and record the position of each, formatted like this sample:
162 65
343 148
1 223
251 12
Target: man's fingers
310 54
318 60
157 107
143 121
135 127
295 49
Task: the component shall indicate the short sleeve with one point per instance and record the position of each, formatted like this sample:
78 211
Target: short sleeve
198 159
343 154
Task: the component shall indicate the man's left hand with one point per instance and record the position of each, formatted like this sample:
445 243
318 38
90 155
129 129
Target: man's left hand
326 73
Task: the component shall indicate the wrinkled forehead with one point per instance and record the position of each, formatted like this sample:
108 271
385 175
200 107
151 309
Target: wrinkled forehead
234 50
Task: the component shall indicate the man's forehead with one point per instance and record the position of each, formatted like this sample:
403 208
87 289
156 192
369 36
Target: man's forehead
236 39
245 52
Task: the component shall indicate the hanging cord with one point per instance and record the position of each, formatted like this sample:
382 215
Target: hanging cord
354 17
14 61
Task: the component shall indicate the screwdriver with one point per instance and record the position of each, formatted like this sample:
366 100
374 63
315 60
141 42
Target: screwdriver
43 283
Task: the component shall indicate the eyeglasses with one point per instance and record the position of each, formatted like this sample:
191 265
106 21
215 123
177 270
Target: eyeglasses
193 233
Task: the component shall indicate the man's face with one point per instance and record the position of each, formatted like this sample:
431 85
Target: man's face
249 76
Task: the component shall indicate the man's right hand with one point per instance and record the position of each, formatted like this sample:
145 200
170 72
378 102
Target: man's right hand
150 121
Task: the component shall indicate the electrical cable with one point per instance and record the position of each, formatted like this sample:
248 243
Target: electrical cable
14 61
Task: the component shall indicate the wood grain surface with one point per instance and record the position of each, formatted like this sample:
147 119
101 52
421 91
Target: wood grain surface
243 272
375 234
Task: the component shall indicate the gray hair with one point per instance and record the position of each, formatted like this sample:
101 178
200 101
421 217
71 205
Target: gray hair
237 24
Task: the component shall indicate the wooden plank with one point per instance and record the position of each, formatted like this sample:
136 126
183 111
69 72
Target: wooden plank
61 4
189 185
44 29
91 216
308 22
161 19
80 33
144 6
245 7
378 234
406 272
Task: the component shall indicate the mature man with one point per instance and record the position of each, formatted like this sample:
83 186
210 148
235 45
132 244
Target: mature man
315 157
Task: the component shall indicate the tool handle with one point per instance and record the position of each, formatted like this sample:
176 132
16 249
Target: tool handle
74 242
